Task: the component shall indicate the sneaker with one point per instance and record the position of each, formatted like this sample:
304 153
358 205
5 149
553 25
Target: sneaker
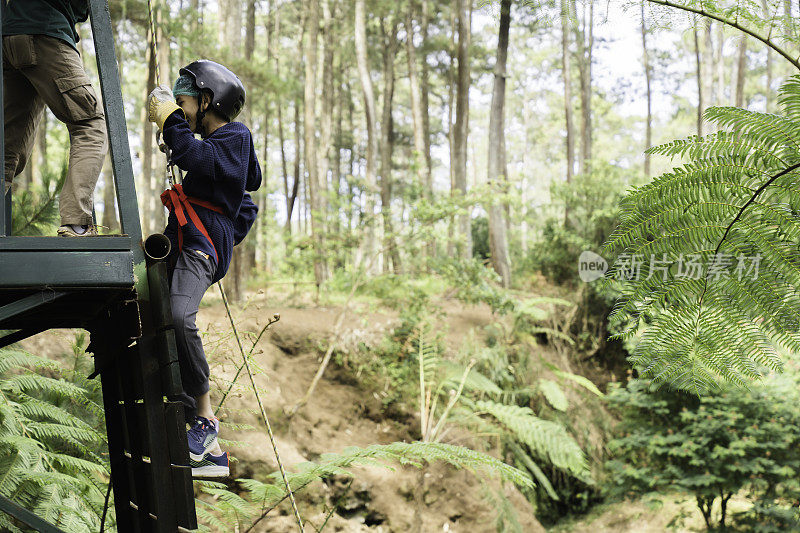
211 466
202 437
77 230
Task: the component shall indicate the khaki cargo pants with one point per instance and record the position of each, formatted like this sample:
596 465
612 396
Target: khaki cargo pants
39 70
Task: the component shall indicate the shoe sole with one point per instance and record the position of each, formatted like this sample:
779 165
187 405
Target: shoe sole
211 471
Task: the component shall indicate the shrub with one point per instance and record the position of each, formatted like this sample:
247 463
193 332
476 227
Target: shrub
712 447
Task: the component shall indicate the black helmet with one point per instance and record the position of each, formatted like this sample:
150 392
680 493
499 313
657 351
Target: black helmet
227 90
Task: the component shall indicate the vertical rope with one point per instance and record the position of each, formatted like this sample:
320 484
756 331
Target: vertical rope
263 412
154 40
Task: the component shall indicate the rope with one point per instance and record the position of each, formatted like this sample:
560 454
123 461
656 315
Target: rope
233 325
275 318
155 41
263 412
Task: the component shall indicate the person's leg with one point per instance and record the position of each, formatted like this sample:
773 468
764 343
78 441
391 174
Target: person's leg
62 83
191 277
205 410
22 105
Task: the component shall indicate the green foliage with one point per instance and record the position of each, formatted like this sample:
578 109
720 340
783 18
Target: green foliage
592 202
50 447
474 283
261 497
35 210
480 239
734 210
548 440
405 453
711 447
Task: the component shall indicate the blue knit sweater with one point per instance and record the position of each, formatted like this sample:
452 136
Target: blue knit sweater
219 169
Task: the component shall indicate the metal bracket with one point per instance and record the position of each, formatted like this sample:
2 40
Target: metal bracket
29 303
27 517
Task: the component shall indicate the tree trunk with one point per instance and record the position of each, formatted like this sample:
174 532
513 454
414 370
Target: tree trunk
700 102
648 137
338 178
390 45
708 64
498 242
292 198
426 123
791 26
462 122
147 205
741 70
416 107
567 97
250 30
372 135
720 63
314 190
451 107
243 254
584 37
326 119
282 140
251 246
527 186
350 206
768 91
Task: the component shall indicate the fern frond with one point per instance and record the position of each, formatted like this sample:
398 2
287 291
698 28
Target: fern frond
737 197
414 454
547 439
50 459
553 394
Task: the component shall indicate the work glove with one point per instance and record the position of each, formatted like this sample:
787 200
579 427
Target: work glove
160 105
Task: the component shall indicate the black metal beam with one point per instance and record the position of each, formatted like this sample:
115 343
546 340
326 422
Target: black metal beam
115 120
28 303
27 517
102 269
22 334
5 199
5 205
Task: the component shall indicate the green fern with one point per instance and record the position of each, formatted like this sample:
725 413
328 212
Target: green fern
35 210
734 205
413 453
50 457
549 440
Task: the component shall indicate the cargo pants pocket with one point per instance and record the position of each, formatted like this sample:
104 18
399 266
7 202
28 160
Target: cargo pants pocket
80 102
19 51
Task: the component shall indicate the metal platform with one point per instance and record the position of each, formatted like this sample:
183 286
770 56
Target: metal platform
104 285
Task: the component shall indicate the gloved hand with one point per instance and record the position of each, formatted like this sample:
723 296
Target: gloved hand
160 105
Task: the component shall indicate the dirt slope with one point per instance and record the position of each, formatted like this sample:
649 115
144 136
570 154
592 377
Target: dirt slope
340 414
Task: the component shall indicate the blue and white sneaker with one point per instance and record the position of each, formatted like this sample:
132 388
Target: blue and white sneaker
202 437
211 466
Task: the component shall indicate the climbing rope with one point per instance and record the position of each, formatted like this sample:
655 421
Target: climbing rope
227 309
263 412
155 41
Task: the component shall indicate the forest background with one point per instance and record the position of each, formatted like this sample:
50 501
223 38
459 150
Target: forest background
363 125
421 151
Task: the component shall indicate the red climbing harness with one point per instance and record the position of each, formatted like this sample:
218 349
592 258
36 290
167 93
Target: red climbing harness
176 201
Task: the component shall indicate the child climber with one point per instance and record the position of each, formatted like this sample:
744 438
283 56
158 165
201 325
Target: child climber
210 212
